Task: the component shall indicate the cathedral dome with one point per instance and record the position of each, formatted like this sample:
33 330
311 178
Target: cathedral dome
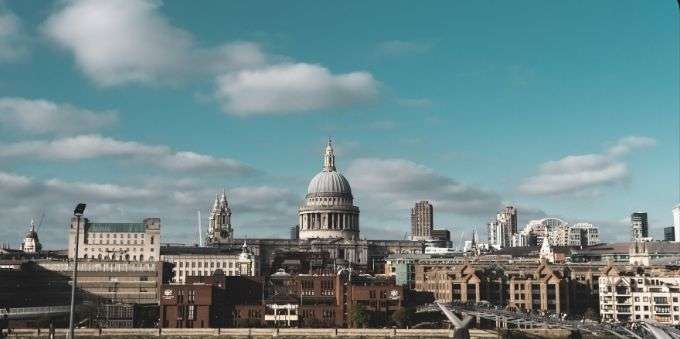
329 182
328 210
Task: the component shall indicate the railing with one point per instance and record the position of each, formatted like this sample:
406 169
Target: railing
26 311
254 332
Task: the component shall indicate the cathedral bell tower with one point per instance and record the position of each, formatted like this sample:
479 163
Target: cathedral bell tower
219 228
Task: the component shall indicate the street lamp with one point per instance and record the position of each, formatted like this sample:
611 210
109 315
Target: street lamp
77 212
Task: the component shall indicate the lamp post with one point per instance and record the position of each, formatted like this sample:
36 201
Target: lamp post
78 212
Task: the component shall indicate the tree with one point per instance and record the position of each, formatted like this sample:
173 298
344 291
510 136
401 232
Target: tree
403 316
359 316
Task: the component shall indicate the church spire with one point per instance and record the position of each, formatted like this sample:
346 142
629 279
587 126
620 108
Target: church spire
329 158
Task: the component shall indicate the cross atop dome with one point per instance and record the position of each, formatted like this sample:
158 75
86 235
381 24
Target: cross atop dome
329 158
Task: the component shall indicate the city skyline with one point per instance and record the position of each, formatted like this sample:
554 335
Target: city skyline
156 107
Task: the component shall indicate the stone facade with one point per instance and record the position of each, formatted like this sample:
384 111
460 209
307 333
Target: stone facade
219 223
204 261
116 241
368 255
328 210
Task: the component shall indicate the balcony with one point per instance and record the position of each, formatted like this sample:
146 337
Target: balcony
623 300
623 309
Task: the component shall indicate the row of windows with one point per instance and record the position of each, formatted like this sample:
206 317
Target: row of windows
204 273
99 249
118 257
201 264
114 242
115 235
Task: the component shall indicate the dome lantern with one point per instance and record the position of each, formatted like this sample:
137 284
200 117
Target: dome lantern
329 158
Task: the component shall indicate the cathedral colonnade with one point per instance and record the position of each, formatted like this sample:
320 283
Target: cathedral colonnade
316 220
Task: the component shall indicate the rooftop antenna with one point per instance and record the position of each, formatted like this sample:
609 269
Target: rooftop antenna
200 231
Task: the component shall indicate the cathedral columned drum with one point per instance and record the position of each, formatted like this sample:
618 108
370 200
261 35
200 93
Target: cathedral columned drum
328 210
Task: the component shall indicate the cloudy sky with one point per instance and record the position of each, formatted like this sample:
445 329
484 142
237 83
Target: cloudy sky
149 108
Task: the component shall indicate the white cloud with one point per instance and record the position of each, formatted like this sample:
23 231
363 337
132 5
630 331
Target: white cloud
128 41
395 184
292 87
100 192
12 39
95 146
14 183
585 174
41 116
626 145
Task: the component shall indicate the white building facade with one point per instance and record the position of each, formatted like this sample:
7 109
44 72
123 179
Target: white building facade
116 241
501 230
31 244
204 261
584 233
640 297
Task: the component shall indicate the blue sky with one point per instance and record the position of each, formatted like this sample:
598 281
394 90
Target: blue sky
149 108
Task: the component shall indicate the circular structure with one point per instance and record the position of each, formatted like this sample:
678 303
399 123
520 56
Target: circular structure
328 210
329 183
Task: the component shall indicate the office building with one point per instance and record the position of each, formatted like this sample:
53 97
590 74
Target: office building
583 234
422 221
639 227
669 233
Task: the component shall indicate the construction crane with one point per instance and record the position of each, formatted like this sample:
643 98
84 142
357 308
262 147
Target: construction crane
42 218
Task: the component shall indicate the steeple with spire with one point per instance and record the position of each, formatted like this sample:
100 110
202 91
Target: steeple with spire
329 157
219 228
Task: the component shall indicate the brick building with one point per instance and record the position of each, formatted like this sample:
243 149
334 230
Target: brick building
190 305
541 286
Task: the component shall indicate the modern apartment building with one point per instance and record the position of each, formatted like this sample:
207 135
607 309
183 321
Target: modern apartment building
639 227
634 294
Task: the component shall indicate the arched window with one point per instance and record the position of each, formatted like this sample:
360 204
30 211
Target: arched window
99 257
151 240
127 257
134 257
141 257
84 256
